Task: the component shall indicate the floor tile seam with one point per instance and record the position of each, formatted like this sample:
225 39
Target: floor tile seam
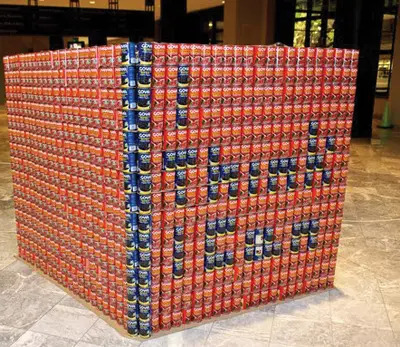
91 326
208 335
41 316
38 332
386 310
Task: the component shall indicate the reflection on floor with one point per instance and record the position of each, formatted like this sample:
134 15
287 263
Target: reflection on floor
363 309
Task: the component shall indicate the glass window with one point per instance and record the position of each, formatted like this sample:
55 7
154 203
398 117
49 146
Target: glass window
314 23
386 48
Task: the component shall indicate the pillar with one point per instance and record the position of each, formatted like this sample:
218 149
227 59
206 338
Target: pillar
358 25
395 79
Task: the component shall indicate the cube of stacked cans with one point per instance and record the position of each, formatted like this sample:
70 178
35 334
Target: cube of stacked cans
223 189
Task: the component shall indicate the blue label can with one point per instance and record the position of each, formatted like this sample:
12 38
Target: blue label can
144 162
191 157
144 76
132 327
319 162
180 158
312 145
229 258
143 120
291 182
129 120
143 99
180 179
230 225
213 193
131 277
310 163
211 227
213 155
292 165
327 177
273 167
144 222
330 144
221 226
272 184
178 268
144 240
180 198
143 142
249 253
144 260
313 128
169 159
296 229
144 204
128 53
225 173
145 184
143 277
131 293
219 260
210 244
267 250
128 78
253 187
254 169
213 174
234 172
181 118
182 97
183 75
129 101
295 244
283 166
233 190
305 227
209 262
145 53
129 142
143 295
179 232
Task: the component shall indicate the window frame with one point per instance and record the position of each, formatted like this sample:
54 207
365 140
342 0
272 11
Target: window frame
324 15
393 10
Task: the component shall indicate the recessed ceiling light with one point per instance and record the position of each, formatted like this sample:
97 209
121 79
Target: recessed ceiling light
92 2
223 2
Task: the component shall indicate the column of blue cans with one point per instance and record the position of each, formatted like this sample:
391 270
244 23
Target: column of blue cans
137 188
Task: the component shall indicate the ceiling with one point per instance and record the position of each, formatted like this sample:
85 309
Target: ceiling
192 5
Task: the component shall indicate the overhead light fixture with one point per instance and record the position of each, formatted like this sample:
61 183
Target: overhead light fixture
210 24
92 2
223 2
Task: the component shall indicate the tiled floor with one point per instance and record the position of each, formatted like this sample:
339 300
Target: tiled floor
362 310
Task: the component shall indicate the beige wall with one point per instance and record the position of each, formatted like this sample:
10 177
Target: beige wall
10 45
249 22
394 96
379 107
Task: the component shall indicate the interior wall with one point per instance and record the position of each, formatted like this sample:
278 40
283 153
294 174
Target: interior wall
251 25
10 45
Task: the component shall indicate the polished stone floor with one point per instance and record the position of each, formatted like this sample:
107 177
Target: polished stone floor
362 310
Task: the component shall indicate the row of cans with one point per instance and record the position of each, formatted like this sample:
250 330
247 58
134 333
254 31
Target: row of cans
181 98
183 76
146 53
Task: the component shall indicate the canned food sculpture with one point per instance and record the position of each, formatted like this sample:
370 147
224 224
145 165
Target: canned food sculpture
171 183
